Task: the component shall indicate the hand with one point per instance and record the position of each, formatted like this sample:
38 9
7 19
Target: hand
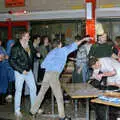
2 57
71 58
38 55
87 39
79 70
6 56
99 76
118 59
24 72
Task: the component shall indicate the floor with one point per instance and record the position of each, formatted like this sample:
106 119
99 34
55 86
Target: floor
7 112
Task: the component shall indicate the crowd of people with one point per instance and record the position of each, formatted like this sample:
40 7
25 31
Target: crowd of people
36 59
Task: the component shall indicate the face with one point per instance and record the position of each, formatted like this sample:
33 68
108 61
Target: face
117 42
26 37
46 40
0 43
11 44
1 57
96 65
102 39
38 40
60 45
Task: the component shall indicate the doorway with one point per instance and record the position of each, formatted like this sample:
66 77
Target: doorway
9 30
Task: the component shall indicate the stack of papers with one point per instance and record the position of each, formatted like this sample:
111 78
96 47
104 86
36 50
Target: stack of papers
109 99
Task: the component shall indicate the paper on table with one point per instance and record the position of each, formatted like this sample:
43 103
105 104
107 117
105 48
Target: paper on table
110 99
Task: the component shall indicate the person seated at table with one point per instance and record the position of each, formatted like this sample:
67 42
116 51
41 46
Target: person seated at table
109 67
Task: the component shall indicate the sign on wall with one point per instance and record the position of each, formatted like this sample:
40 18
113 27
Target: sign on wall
14 3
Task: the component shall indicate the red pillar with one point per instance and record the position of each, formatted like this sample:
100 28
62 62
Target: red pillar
90 18
9 30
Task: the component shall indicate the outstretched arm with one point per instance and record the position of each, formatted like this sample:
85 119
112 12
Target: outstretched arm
109 74
85 39
72 47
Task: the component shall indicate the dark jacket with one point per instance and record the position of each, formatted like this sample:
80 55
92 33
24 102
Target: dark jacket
19 58
43 51
101 50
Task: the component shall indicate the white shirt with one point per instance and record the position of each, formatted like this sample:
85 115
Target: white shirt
109 64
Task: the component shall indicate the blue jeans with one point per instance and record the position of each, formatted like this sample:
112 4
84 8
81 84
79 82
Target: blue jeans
85 72
19 80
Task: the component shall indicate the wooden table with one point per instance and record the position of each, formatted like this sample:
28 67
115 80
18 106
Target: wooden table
81 90
107 103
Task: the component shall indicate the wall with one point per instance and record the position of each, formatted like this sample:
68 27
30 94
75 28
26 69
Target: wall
108 3
46 5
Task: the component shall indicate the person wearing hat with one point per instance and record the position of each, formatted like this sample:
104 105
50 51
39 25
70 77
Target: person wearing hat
99 28
102 48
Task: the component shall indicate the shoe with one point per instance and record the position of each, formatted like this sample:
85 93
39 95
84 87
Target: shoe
32 115
18 114
9 98
40 111
65 118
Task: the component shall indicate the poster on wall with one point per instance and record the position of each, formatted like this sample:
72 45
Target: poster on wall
14 3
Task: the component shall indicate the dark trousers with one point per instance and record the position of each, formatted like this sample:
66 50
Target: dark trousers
100 111
41 72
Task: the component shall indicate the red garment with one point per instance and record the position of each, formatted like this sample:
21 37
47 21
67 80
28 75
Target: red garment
118 49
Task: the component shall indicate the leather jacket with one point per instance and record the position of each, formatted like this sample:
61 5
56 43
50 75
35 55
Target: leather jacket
19 58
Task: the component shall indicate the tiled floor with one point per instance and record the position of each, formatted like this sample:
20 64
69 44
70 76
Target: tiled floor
6 111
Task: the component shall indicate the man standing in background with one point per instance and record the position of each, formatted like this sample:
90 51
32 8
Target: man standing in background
21 59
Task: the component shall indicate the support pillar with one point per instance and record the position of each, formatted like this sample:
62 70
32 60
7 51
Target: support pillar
90 19
9 30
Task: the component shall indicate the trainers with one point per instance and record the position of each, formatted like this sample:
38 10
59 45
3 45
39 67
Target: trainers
65 118
18 114
32 115
9 98
40 111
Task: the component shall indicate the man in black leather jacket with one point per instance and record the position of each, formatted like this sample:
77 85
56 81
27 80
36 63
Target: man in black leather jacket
21 60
